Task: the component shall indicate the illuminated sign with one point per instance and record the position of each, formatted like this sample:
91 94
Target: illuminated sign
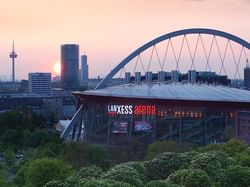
130 109
142 126
120 109
120 127
145 110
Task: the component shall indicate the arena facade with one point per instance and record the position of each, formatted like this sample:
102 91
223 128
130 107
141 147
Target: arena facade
196 113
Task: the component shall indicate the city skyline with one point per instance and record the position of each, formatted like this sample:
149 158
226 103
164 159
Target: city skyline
106 31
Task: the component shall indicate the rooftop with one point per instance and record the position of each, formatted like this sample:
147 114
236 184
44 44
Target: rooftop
174 91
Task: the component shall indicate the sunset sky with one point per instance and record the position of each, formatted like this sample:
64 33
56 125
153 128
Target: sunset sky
106 30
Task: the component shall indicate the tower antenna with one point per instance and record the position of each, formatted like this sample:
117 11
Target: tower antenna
13 55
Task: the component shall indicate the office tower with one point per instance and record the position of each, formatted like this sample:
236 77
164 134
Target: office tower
247 76
70 66
84 70
40 83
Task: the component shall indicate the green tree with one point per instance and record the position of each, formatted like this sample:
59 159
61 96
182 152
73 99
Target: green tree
237 176
166 163
41 171
96 154
55 183
50 150
89 172
80 155
3 175
10 120
212 162
18 120
10 157
12 137
124 173
190 178
75 155
26 137
103 183
38 138
243 158
233 147
41 137
89 183
21 174
162 183
38 120
138 166
210 147
166 146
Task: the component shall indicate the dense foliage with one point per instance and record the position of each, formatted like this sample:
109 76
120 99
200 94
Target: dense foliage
32 155
41 171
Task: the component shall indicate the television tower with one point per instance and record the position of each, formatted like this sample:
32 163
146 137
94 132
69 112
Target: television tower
13 55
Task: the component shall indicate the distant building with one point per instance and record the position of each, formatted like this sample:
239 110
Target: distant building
63 106
24 88
70 66
10 87
14 101
60 103
40 83
54 105
247 76
84 70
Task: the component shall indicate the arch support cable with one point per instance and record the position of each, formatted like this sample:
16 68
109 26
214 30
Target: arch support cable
167 36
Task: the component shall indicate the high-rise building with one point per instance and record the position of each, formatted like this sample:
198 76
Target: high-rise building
84 70
70 66
247 76
40 83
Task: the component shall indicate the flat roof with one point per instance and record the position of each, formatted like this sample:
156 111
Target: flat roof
173 91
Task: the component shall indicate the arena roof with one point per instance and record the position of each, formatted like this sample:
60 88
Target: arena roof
174 91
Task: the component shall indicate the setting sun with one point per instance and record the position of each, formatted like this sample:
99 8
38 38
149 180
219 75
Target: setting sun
57 68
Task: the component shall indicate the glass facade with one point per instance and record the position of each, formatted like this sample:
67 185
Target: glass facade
70 66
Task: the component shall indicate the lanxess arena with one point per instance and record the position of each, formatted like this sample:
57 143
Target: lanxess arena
160 110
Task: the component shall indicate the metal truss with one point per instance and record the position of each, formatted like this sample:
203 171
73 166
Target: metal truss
177 55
